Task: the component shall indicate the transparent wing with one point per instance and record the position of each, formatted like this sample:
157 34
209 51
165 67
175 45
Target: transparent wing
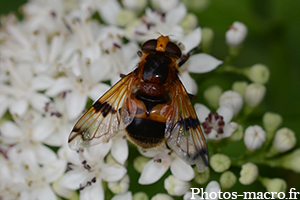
106 117
185 135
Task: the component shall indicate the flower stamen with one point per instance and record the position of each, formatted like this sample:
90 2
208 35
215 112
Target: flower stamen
213 121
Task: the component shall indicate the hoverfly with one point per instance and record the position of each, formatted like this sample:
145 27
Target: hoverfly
151 105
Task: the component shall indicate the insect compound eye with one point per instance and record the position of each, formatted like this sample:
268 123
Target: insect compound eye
173 49
150 45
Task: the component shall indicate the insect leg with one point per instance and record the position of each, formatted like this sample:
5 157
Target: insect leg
185 57
192 97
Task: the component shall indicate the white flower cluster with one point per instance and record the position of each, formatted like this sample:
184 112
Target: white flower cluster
65 54
53 64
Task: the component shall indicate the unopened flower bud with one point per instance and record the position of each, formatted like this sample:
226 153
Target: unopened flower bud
276 185
196 5
240 87
248 173
238 133
284 140
140 196
271 121
227 180
120 186
135 5
207 39
124 17
254 137
291 161
201 178
231 99
212 95
258 73
161 196
220 162
139 163
236 34
164 5
176 187
189 22
254 94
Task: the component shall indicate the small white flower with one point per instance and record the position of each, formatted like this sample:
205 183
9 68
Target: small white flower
156 167
236 34
284 140
254 94
231 99
154 23
39 178
176 187
78 88
47 15
248 173
23 89
26 137
216 126
88 170
254 137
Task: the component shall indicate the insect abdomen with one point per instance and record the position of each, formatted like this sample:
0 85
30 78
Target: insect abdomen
146 133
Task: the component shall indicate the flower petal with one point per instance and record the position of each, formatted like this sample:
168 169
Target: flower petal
226 113
202 63
148 152
60 85
119 149
109 11
112 172
202 111
42 130
98 151
188 82
152 172
18 107
42 82
191 40
38 101
72 179
175 16
44 154
181 170
95 191
45 193
11 130
54 170
75 104
98 90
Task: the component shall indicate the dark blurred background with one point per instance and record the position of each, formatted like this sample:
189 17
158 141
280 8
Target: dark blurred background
273 39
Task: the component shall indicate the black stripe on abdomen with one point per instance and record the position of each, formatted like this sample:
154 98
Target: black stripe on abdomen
146 133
